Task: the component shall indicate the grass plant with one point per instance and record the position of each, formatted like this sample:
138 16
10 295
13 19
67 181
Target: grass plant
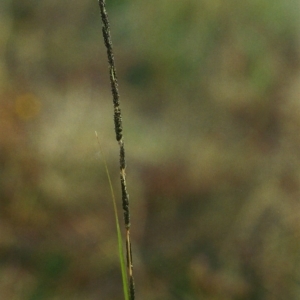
119 234
119 137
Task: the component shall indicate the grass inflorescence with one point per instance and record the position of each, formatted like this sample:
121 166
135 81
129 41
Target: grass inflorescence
119 138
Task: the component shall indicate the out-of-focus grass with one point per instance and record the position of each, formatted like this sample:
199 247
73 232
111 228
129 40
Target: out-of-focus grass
209 93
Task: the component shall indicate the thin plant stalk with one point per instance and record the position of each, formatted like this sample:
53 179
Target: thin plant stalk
119 235
119 138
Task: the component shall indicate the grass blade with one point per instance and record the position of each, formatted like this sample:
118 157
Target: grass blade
120 240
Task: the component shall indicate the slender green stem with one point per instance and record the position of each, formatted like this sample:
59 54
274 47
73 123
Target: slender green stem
120 240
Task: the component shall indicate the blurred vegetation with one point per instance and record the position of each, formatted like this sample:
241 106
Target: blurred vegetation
210 96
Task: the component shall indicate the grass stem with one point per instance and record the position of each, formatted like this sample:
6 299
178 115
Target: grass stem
119 138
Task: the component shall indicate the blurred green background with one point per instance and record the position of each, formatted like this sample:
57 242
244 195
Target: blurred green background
211 110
